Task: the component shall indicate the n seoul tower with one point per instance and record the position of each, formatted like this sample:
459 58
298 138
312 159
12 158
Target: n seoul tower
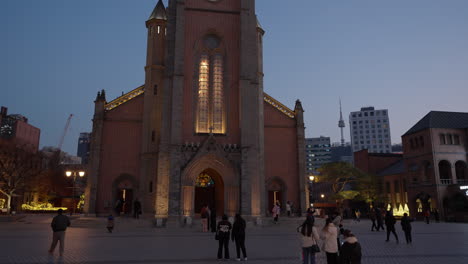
341 125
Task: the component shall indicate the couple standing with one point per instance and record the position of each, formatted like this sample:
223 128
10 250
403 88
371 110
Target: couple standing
223 233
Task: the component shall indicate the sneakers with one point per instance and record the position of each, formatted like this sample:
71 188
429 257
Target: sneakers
245 259
238 259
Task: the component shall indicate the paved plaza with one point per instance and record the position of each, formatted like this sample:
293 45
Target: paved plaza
135 241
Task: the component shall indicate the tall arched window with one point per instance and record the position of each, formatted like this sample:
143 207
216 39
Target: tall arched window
445 172
210 107
203 95
461 172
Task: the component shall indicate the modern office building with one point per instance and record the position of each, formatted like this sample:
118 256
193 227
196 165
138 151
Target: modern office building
83 147
341 152
370 129
318 152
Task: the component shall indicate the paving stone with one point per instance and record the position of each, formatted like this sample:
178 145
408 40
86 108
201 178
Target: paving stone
133 241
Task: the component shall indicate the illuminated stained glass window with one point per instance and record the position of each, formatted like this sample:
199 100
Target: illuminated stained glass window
203 95
210 108
204 180
218 94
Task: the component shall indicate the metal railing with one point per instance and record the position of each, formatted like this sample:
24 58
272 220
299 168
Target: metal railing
445 181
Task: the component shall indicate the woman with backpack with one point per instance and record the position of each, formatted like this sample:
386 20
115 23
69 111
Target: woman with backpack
351 249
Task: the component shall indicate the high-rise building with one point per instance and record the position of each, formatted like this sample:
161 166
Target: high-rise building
83 147
370 129
318 152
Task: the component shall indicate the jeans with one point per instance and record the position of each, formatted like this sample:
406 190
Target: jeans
307 255
240 245
408 236
223 243
391 229
373 225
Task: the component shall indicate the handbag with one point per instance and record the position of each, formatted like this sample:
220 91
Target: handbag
315 247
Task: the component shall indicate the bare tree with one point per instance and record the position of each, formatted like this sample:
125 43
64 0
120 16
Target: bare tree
19 165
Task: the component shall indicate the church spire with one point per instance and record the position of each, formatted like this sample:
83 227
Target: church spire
159 12
341 125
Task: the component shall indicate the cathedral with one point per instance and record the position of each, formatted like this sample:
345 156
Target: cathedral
201 130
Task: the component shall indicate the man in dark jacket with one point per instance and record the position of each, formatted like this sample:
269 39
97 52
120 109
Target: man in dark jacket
351 249
378 217
59 225
238 235
223 233
390 222
406 226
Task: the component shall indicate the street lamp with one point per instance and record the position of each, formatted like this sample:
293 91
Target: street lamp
322 196
81 174
312 178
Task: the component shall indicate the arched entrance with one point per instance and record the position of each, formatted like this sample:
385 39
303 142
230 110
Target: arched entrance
123 194
209 190
276 193
225 190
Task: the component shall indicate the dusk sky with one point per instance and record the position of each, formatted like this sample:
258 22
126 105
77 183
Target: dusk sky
409 57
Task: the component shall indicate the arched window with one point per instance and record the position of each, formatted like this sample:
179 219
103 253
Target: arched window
203 95
210 105
445 172
461 172
427 170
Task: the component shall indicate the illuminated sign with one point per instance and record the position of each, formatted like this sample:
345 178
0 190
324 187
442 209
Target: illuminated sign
465 187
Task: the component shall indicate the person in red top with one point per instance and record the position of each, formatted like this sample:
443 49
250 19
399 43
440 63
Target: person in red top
427 216
204 218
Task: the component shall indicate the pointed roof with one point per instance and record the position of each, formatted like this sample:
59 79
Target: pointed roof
159 12
439 119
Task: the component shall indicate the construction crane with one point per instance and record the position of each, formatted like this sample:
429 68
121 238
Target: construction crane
64 132
57 157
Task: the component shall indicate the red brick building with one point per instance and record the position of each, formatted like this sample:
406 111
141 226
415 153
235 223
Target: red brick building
201 130
435 156
16 129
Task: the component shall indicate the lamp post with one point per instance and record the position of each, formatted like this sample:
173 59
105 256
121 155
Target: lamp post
312 178
69 173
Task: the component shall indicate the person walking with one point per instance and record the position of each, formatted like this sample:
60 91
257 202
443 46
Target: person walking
288 208
59 226
357 213
208 219
390 222
309 240
136 209
379 218
276 211
204 218
351 249
406 226
372 217
238 236
427 216
110 223
330 234
223 232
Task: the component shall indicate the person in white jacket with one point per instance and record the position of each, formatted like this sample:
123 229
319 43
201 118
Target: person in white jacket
329 235
309 238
